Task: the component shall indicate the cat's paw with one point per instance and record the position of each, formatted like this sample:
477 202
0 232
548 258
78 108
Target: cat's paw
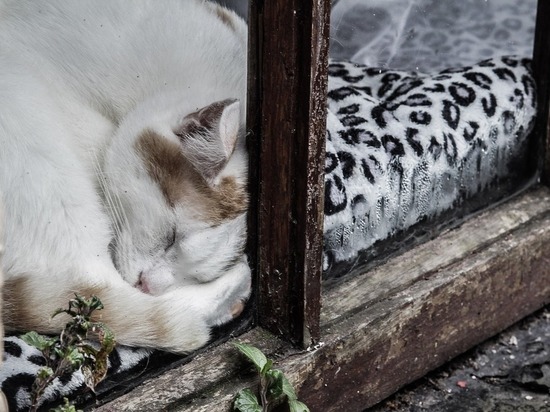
229 294
223 299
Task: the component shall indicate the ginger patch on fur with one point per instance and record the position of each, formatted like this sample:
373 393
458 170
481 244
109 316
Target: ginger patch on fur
180 182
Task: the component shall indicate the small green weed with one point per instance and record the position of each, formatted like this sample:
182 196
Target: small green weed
274 387
70 352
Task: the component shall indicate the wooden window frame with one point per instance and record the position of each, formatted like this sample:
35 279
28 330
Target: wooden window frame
378 331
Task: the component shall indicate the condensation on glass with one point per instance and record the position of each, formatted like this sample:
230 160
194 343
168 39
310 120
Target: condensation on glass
428 120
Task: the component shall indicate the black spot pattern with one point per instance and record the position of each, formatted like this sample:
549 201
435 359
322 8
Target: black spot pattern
518 98
377 114
487 63
462 94
367 171
37 360
351 109
436 88
348 163
449 145
510 61
470 130
12 349
421 117
504 73
529 88
331 162
352 79
335 196
489 105
413 142
352 121
479 79
451 113
417 100
387 83
15 383
393 145
342 93
408 85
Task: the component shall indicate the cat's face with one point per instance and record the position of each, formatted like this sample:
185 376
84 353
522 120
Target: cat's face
176 186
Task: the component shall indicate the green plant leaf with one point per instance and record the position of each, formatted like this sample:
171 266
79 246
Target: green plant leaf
288 390
38 341
75 357
44 373
246 401
254 354
275 383
104 335
267 367
94 303
297 406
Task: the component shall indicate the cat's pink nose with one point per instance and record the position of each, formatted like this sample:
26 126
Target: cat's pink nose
141 284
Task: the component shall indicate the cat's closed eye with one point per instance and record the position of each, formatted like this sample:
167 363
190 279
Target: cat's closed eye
170 239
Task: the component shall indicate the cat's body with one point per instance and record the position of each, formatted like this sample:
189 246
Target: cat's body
139 101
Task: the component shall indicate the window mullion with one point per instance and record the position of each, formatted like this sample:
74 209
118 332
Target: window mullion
287 115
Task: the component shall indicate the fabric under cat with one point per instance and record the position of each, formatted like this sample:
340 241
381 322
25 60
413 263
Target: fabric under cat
122 165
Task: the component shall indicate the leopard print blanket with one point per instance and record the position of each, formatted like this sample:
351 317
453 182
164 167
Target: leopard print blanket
404 147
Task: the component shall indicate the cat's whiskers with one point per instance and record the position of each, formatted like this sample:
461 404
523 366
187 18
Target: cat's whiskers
112 209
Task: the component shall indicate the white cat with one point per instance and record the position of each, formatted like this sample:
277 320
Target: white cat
122 165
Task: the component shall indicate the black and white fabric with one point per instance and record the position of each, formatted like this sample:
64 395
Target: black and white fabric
403 147
22 362
425 131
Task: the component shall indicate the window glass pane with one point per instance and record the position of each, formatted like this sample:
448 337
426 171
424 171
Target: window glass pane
427 120
430 35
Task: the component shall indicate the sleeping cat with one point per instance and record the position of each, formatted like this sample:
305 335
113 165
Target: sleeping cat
122 165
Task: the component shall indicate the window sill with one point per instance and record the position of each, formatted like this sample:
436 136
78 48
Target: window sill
386 328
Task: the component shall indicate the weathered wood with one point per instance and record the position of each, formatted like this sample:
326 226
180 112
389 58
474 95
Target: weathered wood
370 351
396 341
186 385
287 114
541 70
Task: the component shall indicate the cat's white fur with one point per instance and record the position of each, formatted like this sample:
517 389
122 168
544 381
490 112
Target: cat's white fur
80 81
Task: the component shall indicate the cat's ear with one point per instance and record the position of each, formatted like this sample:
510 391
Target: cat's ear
209 135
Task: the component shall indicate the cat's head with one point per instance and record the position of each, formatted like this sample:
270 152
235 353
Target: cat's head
175 181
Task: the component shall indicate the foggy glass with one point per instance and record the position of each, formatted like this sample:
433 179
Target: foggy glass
430 35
